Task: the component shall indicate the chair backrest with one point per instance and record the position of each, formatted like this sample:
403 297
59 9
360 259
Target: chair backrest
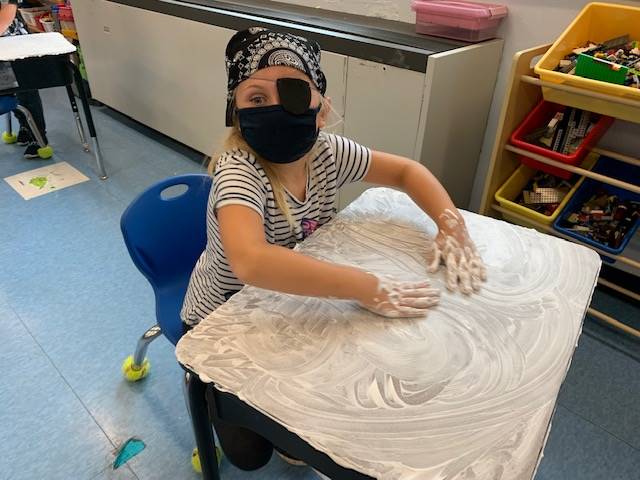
8 103
166 235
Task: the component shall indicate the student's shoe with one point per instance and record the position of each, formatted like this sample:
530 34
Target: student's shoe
35 151
31 151
290 460
24 136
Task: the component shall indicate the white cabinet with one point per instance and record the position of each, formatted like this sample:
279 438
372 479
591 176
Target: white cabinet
167 72
383 106
382 112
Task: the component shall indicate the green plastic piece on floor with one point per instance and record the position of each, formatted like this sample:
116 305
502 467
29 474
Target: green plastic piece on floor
128 450
38 182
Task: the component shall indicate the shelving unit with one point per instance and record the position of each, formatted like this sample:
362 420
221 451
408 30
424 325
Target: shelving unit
524 92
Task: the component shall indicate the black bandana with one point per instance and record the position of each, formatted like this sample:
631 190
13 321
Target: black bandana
255 48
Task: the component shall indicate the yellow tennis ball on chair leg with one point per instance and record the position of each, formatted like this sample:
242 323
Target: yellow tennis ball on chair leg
9 137
195 459
135 374
45 152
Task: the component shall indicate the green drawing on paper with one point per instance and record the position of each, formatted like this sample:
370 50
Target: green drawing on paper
38 182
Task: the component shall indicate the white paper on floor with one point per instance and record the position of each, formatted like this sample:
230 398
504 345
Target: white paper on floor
40 181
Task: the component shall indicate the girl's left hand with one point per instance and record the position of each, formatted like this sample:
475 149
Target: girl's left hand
465 270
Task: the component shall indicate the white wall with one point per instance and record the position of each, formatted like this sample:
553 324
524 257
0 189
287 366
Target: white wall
389 9
530 23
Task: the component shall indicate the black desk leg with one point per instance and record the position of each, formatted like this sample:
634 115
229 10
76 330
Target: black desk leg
196 391
87 113
76 114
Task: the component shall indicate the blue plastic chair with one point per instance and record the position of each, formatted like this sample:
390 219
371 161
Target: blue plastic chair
165 237
8 104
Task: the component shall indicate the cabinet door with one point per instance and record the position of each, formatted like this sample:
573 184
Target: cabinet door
166 72
382 111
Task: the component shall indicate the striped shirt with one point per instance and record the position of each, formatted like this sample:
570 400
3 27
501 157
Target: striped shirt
240 180
16 27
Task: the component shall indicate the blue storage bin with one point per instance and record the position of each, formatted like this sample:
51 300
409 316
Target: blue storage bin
611 168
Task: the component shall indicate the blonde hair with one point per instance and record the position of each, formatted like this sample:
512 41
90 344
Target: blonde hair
235 141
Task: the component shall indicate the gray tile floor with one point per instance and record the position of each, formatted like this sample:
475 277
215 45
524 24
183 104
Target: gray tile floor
72 306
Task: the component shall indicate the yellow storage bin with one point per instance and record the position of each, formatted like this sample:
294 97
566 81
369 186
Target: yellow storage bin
597 22
509 191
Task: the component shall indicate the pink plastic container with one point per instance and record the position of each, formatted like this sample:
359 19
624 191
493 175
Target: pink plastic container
469 21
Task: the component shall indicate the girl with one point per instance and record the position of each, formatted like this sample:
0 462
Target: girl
11 24
276 182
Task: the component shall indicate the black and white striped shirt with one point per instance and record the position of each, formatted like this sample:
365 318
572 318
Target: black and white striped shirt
16 27
240 180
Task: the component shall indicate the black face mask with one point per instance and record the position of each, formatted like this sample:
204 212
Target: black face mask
277 135
282 133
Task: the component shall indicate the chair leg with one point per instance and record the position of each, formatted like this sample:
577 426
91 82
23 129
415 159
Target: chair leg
8 136
44 150
89 118
32 125
76 114
143 344
185 391
136 366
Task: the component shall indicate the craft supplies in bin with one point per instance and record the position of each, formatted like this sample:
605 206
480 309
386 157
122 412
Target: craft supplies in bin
460 20
31 17
67 23
47 23
565 134
601 29
537 195
602 215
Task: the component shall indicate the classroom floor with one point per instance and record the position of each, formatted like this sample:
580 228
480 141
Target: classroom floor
72 307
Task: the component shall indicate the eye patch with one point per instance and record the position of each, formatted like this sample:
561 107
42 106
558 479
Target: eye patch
295 95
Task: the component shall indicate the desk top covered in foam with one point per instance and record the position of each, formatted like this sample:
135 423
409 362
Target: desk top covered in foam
19 47
466 392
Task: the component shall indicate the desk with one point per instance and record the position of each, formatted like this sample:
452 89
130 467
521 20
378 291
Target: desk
44 60
467 392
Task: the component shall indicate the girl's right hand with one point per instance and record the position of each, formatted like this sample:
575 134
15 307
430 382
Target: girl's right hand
455 249
395 299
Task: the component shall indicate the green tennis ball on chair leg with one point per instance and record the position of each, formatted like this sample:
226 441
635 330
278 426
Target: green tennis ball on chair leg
9 137
135 374
195 459
45 152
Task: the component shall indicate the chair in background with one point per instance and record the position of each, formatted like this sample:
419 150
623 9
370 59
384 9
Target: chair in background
8 104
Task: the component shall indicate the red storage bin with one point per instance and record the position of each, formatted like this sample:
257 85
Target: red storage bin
540 116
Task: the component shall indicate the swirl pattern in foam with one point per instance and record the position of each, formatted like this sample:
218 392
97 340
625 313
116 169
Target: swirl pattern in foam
465 393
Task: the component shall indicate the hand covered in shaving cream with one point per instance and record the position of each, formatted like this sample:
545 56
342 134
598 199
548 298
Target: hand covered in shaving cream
465 270
396 299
